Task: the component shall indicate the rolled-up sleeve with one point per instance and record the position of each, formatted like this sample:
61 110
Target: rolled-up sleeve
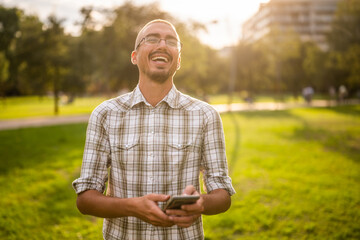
214 163
96 158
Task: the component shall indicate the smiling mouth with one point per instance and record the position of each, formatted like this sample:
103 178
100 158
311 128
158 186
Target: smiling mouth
160 59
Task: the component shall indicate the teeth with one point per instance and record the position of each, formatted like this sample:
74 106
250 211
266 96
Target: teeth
160 58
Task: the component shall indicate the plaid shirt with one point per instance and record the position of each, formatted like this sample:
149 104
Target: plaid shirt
142 149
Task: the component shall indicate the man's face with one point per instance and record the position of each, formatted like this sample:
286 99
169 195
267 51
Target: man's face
158 62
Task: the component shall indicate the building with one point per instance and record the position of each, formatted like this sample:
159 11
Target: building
311 19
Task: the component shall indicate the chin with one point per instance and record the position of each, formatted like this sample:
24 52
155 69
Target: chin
160 77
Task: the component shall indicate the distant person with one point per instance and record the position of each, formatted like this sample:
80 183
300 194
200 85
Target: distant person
308 93
150 144
342 93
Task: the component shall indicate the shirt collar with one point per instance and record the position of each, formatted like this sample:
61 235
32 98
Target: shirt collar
172 98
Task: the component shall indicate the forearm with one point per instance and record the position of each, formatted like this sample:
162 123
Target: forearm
217 201
92 202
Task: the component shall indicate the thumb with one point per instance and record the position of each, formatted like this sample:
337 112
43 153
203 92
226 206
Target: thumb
158 197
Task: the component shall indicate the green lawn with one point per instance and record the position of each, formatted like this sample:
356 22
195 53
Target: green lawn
24 107
32 106
296 174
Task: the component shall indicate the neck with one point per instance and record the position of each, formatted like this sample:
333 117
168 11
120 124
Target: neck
154 92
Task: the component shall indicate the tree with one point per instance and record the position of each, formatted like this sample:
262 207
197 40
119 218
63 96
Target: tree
251 69
4 71
344 41
9 30
56 54
314 67
285 56
30 54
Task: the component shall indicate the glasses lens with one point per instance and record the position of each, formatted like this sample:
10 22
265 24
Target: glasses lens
173 43
152 40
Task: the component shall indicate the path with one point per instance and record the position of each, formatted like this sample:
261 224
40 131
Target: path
222 108
42 121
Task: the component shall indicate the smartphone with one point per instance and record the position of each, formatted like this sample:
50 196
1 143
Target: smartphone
175 202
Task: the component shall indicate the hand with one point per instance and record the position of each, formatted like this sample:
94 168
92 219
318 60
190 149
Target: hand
188 214
148 210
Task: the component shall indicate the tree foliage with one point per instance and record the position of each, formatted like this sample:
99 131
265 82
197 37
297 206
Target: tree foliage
344 40
30 54
9 30
39 57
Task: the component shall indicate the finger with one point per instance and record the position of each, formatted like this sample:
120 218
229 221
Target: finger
185 221
181 219
174 212
159 218
151 213
189 190
163 223
193 208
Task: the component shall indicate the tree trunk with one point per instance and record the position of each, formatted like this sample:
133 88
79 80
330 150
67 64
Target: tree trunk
56 91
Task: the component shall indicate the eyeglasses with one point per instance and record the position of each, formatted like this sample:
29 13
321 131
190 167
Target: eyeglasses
152 40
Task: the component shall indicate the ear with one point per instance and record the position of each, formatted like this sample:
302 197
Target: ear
133 57
179 63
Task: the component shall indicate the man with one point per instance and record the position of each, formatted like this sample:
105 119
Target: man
150 144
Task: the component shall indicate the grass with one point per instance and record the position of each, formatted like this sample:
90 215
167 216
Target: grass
296 174
32 106
36 170
25 107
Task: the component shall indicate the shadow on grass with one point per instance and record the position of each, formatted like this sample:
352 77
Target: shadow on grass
331 133
236 143
344 142
350 110
341 134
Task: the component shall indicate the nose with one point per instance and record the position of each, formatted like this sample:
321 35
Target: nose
162 42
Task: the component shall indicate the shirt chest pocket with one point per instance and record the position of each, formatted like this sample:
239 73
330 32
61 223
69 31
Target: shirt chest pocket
180 154
126 154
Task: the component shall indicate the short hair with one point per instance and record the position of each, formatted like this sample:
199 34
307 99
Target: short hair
138 39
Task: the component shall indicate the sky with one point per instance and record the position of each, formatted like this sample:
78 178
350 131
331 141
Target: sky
229 15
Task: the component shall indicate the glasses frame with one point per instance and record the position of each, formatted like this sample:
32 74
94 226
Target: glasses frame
179 47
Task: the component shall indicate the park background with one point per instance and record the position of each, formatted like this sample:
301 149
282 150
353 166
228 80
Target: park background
296 171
